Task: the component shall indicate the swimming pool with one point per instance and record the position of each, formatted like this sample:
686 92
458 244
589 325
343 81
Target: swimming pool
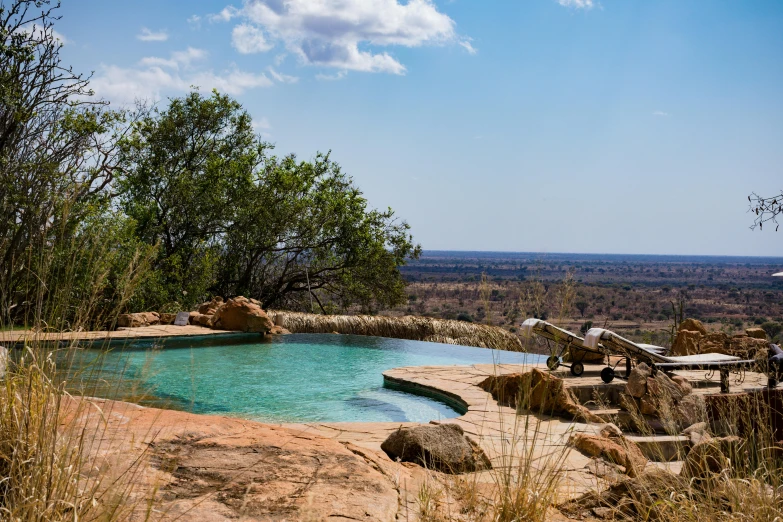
290 378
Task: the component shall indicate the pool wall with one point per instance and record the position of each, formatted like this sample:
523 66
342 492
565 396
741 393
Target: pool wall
451 399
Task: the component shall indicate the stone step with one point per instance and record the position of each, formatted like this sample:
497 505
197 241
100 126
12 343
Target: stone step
625 421
662 448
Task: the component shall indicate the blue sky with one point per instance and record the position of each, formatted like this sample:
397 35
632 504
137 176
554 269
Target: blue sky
620 126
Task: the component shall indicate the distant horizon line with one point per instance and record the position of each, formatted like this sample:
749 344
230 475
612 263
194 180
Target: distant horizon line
428 250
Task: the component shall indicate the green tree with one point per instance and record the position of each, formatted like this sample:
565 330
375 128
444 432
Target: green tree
58 156
230 219
581 306
772 328
186 171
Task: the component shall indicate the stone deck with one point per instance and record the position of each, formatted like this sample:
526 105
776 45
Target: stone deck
121 334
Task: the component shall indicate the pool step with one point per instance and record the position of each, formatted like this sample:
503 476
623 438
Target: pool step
626 422
662 448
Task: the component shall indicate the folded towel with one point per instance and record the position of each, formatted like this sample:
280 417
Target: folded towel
527 327
593 338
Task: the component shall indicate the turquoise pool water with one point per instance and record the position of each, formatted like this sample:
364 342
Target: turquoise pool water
290 378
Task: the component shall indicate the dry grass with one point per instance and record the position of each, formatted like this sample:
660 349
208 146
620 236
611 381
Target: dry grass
408 327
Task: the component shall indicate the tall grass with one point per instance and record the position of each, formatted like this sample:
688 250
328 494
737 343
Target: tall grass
47 447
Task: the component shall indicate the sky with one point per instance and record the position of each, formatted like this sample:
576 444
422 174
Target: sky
596 126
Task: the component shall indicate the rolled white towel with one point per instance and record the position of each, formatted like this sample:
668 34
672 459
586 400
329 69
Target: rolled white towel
593 337
526 329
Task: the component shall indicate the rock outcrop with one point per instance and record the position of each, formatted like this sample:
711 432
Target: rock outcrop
242 314
714 455
537 391
692 338
167 318
613 447
443 448
669 398
138 319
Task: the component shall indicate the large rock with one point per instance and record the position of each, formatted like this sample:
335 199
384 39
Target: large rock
444 448
714 455
690 410
612 448
219 469
241 314
202 320
167 318
662 387
138 319
637 381
210 307
694 325
756 333
686 342
537 391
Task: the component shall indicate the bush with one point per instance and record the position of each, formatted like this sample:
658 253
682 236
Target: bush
462 316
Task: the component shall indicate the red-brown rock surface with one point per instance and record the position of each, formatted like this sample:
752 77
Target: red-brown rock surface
242 314
692 338
537 391
209 468
138 319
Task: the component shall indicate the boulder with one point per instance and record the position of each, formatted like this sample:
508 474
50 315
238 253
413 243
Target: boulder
697 432
538 391
693 325
443 448
637 381
686 342
714 455
612 448
756 333
201 319
683 384
210 307
690 410
138 319
167 318
634 498
662 387
241 314
647 406
278 330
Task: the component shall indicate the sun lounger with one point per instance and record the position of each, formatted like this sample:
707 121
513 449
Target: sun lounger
652 355
563 338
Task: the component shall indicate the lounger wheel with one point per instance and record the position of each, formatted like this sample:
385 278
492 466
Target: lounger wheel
607 374
553 362
577 369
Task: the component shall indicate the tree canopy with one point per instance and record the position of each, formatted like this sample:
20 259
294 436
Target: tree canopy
229 218
160 209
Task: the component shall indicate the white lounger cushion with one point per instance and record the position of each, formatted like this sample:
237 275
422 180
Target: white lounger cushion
596 335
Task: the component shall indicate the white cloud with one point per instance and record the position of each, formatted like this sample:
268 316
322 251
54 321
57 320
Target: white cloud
36 32
194 22
249 39
149 36
577 4
338 33
125 85
282 78
178 59
660 113
331 77
225 15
